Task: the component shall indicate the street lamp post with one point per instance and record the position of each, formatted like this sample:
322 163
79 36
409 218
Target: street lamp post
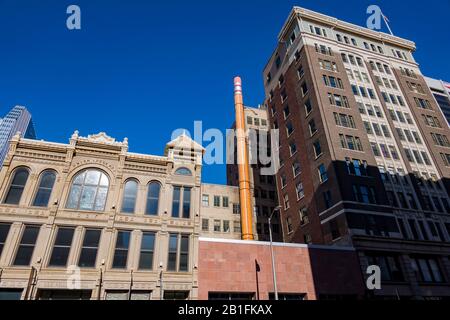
274 273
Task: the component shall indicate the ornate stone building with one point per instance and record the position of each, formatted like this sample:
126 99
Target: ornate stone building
94 218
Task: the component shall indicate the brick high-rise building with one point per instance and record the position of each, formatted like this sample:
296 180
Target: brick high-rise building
364 155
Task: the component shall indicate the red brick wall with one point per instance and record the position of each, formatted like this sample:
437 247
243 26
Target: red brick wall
230 267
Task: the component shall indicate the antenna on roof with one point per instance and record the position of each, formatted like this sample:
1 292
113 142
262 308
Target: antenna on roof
386 20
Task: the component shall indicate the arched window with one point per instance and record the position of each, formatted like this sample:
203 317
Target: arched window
129 196
89 191
154 189
183 172
46 183
17 185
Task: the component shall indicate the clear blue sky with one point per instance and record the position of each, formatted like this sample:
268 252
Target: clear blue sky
140 69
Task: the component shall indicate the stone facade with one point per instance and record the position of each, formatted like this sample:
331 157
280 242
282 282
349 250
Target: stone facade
180 167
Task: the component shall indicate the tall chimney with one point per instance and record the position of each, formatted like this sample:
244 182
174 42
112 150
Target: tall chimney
243 164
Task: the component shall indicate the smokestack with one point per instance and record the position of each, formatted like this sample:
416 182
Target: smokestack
243 164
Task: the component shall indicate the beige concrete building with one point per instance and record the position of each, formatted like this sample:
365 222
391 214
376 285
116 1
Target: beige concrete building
220 212
94 218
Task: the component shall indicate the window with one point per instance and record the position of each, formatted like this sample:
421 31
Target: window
300 191
236 208
226 226
289 128
217 225
225 202
46 183
184 171
185 210
178 259
61 248
292 148
317 149
153 193
26 246
427 269
4 230
312 127
286 112
440 140
89 191
308 107
17 185
351 143
289 225
88 255
300 72
205 200
375 149
147 250
121 252
389 265
296 168
129 196
323 175
304 89
216 201
205 224
286 202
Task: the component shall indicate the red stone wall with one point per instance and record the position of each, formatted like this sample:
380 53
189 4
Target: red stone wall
230 267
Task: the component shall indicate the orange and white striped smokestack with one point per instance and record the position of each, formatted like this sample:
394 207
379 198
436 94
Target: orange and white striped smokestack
243 164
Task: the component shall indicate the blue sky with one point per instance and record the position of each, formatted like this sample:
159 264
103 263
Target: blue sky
140 69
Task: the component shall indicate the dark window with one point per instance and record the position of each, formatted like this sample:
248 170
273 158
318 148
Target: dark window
61 248
17 185
121 251
147 249
4 230
173 247
186 203
223 296
44 191
412 225
26 247
184 253
427 269
88 255
153 199
287 296
389 265
176 202
129 196
176 295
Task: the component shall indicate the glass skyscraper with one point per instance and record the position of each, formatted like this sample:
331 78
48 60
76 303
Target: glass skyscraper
17 120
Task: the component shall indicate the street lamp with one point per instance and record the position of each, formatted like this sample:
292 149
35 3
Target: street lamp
274 274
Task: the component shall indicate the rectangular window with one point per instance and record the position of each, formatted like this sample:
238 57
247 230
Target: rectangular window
26 247
300 191
4 230
176 202
217 225
88 255
186 203
147 250
216 201
205 224
323 175
226 226
184 254
205 200
225 202
121 251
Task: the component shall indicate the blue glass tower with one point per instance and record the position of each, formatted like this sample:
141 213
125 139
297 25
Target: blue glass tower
17 120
